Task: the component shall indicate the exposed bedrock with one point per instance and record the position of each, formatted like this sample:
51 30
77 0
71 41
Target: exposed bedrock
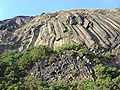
88 27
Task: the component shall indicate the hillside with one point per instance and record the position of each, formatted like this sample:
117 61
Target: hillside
65 50
8 27
70 67
100 27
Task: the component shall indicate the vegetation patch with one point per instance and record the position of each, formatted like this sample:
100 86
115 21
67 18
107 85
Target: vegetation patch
14 70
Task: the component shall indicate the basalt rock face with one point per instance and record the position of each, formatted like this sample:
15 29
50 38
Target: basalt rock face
87 27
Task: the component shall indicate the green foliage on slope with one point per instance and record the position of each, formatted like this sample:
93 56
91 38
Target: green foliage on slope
34 54
14 73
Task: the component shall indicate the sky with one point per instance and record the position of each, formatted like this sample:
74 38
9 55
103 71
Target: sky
12 8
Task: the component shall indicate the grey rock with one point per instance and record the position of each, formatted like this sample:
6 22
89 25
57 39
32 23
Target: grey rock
61 68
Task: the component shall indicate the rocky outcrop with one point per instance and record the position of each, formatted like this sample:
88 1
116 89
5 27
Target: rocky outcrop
71 65
87 27
64 27
66 66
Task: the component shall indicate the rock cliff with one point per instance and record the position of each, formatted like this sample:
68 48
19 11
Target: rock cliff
94 27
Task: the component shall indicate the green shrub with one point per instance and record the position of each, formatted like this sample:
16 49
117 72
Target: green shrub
89 85
10 57
70 46
34 54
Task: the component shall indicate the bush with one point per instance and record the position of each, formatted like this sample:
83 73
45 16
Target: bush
89 85
71 46
10 57
34 54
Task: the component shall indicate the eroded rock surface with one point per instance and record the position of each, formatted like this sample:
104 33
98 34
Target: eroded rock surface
87 27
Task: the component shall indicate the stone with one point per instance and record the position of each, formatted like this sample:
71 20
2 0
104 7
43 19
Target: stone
49 31
72 20
61 68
